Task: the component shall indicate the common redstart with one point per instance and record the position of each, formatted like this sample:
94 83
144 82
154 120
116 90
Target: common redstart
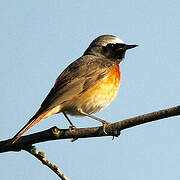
87 85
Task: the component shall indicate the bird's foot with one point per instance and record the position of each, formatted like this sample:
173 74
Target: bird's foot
105 124
72 128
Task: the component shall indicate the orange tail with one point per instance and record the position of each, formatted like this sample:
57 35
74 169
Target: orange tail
29 125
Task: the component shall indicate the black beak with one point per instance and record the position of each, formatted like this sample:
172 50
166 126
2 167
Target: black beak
129 46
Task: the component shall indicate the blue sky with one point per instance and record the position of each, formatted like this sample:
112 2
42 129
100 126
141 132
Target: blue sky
38 39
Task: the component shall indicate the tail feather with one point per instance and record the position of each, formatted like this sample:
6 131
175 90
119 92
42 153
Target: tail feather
29 125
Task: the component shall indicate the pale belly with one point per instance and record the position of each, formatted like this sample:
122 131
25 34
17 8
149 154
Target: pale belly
97 97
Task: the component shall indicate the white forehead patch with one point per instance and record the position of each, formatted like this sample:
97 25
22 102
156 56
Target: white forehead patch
106 39
116 40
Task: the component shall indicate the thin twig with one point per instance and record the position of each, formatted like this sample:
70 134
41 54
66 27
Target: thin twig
41 156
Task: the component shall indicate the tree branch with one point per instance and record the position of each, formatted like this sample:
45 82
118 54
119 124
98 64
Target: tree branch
111 130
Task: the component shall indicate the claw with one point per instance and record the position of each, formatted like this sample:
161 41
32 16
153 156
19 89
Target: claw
116 134
104 126
74 139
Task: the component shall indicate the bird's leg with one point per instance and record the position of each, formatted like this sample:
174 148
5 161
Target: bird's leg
105 123
98 119
72 125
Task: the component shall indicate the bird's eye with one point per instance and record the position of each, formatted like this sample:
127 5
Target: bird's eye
110 45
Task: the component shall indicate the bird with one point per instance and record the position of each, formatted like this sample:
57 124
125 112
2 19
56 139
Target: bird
87 85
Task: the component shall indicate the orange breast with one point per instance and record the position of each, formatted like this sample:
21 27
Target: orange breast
101 94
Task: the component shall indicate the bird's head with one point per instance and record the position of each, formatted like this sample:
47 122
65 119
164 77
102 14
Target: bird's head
110 47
